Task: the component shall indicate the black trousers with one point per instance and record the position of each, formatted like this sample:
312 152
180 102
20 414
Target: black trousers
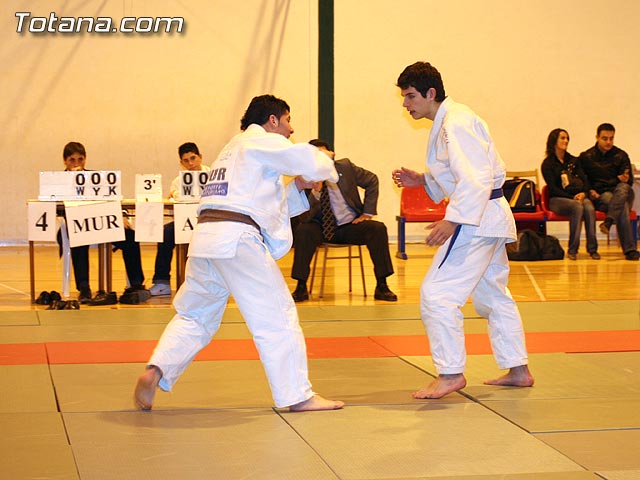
373 234
130 253
164 255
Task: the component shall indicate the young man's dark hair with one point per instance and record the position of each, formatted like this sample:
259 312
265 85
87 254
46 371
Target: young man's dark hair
73 147
261 108
188 147
422 76
605 127
319 143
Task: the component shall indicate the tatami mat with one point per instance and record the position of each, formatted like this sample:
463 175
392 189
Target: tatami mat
374 381
416 440
67 380
192 444
109 387
18 318
34 445
570 415
620 474
597 451
26 388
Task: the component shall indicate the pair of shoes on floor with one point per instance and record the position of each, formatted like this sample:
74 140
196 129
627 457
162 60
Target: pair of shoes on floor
84 296
595 255
300 294
47 298
572 256
64 305
632 255
103 298
160 289
134 295
384 293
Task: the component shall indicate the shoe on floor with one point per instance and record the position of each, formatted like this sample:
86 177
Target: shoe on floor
384 293
85 295
160 289
595 255
632 255
300 294
44 298
572 256
104 298
71 305
134 295
55 295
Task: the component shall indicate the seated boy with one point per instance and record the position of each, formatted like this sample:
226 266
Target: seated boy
75 157
190 159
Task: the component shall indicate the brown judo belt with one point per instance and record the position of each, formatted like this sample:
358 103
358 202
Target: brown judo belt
213 215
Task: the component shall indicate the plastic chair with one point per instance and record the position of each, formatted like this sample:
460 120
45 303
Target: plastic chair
416 206
600 216
325 247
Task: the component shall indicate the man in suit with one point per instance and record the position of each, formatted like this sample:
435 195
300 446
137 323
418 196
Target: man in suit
345 219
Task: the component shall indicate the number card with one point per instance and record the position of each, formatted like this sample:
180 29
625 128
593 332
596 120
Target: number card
185 216
81 185
94 222
149 222
42 221
191 184
148 187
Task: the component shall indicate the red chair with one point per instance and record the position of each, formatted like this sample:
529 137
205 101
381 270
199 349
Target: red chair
416 206
600 216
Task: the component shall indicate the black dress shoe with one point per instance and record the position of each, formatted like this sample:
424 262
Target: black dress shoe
85 295
632 255
44 299
300 294
104 298
383 293
134 295
55 295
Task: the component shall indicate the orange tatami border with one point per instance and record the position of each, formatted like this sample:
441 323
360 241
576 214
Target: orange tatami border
139 351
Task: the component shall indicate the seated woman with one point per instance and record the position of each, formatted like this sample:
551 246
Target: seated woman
568 189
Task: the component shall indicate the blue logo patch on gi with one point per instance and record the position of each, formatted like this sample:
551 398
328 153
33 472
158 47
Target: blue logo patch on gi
215 189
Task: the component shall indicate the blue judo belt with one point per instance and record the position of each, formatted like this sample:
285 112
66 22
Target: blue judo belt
495 193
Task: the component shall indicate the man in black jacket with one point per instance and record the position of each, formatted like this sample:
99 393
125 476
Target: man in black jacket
345 219
609 171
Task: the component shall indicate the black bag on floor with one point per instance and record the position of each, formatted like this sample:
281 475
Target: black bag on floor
534 246
521 194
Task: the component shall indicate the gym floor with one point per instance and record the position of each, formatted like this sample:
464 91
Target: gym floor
67 378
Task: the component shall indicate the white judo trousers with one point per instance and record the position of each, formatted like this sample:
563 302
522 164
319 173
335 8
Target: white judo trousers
476 267
258 287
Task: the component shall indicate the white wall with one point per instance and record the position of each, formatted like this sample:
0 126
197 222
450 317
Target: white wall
133 99
525 66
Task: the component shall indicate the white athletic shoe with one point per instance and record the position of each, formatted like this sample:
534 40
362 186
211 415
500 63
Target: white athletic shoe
160 289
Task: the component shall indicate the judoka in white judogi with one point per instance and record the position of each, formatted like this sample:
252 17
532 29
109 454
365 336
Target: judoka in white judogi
464 166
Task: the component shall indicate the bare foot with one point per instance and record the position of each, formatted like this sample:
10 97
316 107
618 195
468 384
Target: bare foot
316 403
441 386
146 388
515 377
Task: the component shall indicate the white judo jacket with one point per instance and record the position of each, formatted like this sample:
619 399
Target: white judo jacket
247 177
464 165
